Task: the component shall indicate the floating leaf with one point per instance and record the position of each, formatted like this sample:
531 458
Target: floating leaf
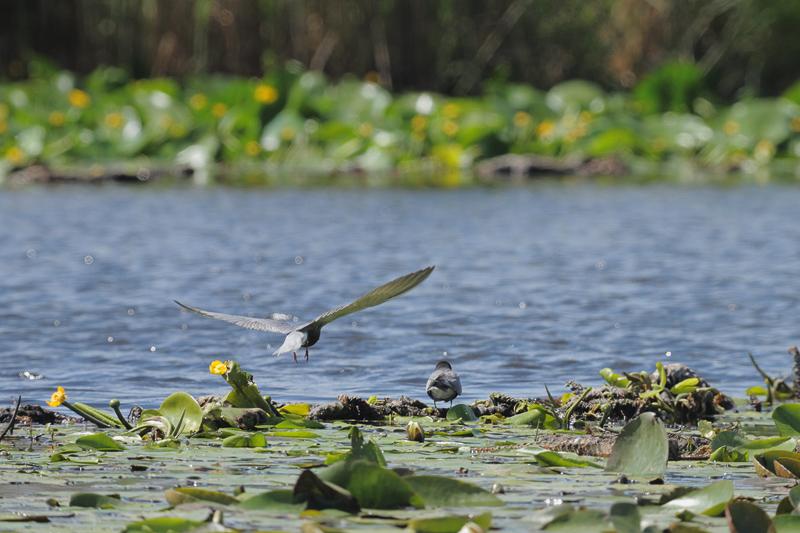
787 419
163 524
437 491
298 434
183 412
376 487
100 442
625 517
710 500
550 458
97 501
614 379
254 440
577 521
281 500
641 449
746 517
786 523
686 386
300 409
181 495
462 412
319 494
449 524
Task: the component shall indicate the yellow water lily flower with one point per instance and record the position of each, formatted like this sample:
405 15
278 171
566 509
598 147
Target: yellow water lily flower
419 123
219 109
449 128
78 98
265 94
56 118
58 397
252 148
522 119
15 155
198 101
545 129
218 367
114 120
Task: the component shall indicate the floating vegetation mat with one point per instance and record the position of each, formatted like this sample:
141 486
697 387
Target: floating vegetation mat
189 466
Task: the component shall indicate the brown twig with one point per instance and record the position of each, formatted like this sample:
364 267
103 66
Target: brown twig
10 425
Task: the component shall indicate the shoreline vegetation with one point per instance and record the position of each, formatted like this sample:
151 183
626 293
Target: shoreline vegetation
644 452
295 127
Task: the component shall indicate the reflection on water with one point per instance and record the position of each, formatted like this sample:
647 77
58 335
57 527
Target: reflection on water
533 286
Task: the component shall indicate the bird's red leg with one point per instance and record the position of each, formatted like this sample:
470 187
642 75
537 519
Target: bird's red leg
294 356
306 355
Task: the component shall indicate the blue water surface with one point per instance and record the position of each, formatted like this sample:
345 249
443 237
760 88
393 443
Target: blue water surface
533 286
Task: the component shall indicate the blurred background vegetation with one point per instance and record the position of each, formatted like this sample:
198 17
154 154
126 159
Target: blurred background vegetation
451 46
379 83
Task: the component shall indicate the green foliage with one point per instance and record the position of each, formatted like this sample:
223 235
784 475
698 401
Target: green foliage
641 449
710 500
671 87
303 123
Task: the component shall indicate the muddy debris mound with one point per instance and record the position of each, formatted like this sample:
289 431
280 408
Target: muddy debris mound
34 414
355 408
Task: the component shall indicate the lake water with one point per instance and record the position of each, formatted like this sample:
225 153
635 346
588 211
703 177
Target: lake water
533 286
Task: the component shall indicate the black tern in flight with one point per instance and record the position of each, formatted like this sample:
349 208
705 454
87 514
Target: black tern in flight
307 334
444 384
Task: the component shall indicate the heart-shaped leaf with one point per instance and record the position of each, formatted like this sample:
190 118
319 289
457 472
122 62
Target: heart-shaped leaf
641 449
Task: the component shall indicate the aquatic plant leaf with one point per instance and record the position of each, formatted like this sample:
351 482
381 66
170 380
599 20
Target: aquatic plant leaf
299 423
90 499
369 450
449 524
162 524
245 392
534 417
300 409
95 415
757 390
437 491
319 494
255 440
294 434
764 462
578 521
791 502
376 487
746 517
787 419
735 439
787 467
725 454
100 442
550 458
180 495
625 517
709 500
641 449
279 500
461 412
786 523
614 379
686 386
183 412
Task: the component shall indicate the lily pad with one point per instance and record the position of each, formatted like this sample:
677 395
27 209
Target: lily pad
746 517
787 419
182 408
710 500
319 494
163 524
437 491
280 500
462 412
254 440
90 499
641 449
376 487
180 495
449 524
100 442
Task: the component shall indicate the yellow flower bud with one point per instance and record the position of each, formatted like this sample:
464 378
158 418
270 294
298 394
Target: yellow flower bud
58 397
218 367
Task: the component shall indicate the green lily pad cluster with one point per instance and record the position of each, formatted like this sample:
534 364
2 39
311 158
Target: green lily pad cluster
300 122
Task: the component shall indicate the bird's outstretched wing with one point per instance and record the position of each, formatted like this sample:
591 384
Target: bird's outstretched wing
377 296
261 324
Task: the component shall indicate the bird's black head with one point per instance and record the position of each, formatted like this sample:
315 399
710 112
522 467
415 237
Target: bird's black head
444 364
